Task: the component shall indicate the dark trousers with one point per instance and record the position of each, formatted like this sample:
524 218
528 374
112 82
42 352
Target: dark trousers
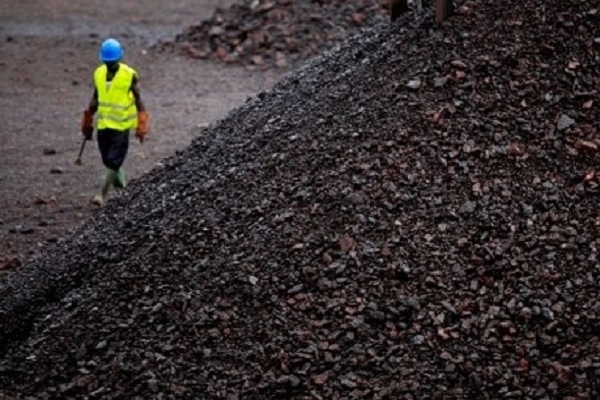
113 146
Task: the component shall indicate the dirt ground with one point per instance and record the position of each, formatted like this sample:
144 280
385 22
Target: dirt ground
48 51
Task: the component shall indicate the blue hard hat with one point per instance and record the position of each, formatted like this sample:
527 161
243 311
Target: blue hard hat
110 51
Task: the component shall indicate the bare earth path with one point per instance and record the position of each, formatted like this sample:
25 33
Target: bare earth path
48 50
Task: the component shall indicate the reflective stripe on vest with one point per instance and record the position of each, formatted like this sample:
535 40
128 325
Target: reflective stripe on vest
110 117
115 106
116 103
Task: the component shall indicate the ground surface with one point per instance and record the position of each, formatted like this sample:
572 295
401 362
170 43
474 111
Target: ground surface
47 55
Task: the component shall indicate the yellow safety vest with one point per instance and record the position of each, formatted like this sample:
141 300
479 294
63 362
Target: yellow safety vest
116 103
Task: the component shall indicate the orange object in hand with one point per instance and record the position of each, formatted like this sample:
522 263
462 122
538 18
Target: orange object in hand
142 128
87 124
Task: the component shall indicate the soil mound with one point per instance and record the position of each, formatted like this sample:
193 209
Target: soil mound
411 216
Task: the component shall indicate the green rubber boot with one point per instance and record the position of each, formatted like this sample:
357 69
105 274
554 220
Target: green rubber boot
120 181
107 180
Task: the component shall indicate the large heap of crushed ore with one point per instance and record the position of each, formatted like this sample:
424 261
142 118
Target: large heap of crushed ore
413 215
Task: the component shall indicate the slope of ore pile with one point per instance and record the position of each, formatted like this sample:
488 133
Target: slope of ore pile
411 216
278 33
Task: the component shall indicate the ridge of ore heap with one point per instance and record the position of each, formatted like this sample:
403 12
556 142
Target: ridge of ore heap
278 33
411 216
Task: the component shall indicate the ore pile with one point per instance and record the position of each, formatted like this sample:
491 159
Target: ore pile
278 33
411 216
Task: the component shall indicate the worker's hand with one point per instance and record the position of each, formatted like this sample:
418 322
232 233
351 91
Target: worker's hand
142 129
87 124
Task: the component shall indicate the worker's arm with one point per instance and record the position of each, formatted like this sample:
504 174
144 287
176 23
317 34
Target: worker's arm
93 106
135 88
87 119
142 128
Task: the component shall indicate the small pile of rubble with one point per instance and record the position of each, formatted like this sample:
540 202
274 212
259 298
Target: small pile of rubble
278 33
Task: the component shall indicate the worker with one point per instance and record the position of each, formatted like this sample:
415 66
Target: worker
119 105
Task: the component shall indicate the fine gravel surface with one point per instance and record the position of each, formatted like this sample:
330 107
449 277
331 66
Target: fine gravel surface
413 215
278 33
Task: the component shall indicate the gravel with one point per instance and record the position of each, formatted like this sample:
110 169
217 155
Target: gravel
346 236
